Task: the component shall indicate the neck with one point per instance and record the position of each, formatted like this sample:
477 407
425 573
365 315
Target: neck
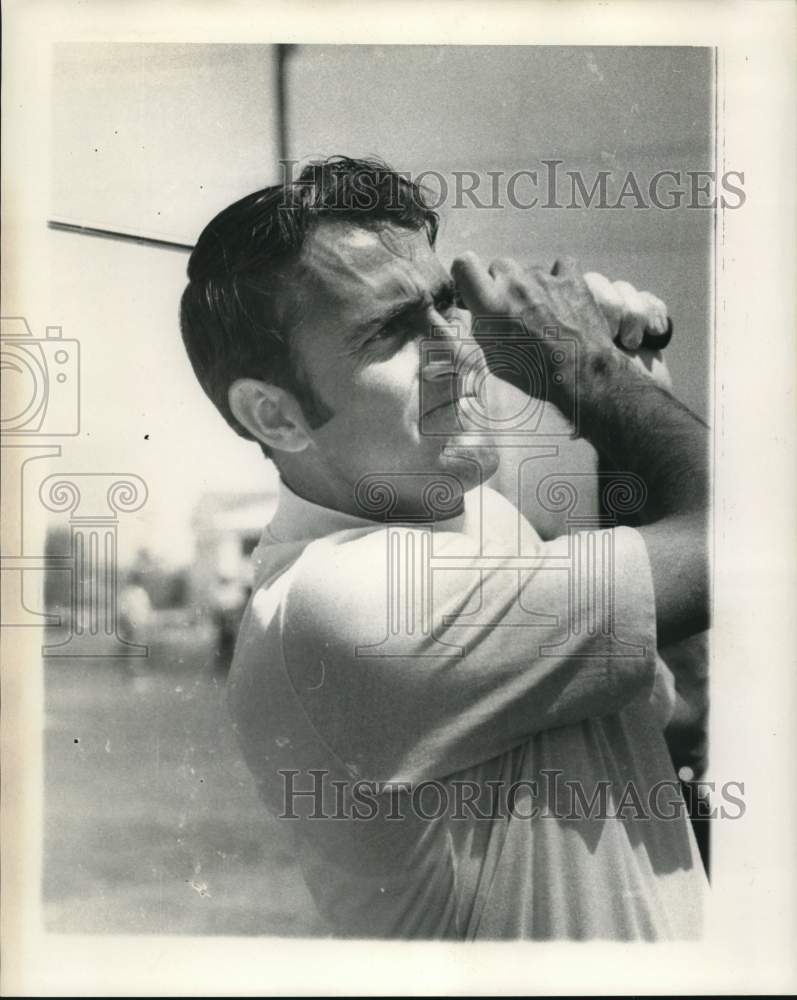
379 497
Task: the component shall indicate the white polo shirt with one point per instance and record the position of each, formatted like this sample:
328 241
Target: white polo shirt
461 725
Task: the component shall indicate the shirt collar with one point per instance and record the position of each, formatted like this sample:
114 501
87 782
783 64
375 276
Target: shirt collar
297 519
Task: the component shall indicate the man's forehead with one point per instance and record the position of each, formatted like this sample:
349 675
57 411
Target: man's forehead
342 259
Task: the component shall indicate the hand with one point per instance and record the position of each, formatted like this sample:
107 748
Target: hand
508 290
563 299
630 313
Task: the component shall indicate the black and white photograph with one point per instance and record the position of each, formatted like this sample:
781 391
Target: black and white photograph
398 495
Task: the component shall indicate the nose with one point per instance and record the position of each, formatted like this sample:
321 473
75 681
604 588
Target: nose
452 363
440 355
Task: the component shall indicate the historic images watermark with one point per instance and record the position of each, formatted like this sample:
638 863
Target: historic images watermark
550 184
466 355
41 402
315 795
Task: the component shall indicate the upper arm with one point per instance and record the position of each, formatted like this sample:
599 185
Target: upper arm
503 654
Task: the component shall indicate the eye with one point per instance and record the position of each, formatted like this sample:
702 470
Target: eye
389 337
392 329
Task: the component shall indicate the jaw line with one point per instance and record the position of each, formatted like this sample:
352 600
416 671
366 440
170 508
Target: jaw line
451 402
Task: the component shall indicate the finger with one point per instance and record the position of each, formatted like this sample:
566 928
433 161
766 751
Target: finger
632 321
503 266
564 267
652 364
655 313
474 282
659 370
607 298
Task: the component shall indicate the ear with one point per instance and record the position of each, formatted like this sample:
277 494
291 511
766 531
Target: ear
269 413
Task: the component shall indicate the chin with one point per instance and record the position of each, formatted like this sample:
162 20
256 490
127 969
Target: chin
471 462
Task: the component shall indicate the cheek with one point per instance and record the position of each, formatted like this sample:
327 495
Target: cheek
387 388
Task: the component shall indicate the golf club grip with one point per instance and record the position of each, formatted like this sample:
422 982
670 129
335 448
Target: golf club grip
652 341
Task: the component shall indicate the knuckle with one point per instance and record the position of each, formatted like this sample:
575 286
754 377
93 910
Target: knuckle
613 298
658 304
625 290
503 265
638 311
596 281
528 285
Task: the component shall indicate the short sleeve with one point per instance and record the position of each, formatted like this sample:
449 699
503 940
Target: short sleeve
416 660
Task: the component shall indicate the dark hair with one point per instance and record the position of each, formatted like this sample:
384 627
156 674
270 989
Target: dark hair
235 315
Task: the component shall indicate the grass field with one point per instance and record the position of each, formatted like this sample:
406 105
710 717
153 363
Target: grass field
152 823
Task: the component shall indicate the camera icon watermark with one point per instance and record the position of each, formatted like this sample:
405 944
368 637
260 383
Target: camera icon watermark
456 373
40 401
40 381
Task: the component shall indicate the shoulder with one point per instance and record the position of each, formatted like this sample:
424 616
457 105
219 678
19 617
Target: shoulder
351 555
339 564
343 587
342 580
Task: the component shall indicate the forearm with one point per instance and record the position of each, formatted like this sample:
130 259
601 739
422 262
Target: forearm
638 427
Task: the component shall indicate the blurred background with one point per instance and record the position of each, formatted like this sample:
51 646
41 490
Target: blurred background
152 823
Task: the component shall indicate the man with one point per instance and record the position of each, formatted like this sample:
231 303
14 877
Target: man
460 722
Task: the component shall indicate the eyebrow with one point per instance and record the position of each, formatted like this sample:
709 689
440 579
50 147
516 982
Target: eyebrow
444 293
